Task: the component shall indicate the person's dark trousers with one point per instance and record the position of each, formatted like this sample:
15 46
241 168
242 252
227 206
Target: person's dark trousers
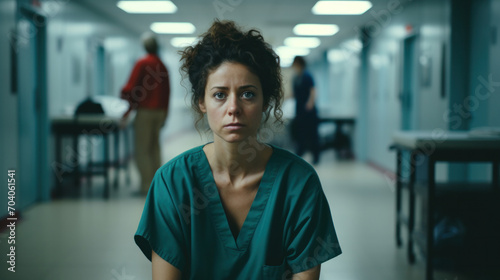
307 135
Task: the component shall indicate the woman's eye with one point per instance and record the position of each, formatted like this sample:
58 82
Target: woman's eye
248 94
219 95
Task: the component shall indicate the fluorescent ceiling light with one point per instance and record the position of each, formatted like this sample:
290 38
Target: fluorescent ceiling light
291 52
341 7
302 42
147 7
287 54
308 29
182 42
173 27
286 62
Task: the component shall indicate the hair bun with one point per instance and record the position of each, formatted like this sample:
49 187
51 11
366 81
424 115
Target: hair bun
225 41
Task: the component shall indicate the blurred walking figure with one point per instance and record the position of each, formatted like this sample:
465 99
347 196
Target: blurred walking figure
305 125
148 92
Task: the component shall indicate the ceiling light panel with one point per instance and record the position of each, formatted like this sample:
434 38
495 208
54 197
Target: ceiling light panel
302 42
285 51
173 27
287 54
311 29
341 7
147 7
286 62
182 42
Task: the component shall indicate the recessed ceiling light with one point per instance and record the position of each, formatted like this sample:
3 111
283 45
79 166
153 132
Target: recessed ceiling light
286 61
287 54
285 51
310 29
147 7
173 27
182 42
341 7
302 42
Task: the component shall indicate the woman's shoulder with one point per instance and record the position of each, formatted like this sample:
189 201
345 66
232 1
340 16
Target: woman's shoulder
295 177
292 162
179 173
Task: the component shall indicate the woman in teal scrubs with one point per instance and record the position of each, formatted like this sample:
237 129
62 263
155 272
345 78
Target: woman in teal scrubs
236 208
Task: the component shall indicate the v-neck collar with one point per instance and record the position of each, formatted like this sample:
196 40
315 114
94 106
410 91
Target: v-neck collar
217 213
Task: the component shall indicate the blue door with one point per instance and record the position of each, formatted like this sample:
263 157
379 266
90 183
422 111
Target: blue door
32 108
100 71
408 103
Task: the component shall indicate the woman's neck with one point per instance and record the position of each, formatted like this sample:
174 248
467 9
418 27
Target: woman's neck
238 159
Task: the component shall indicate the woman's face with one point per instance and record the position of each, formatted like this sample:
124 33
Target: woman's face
233 102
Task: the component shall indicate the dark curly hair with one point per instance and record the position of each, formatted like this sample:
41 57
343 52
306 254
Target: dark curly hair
226 42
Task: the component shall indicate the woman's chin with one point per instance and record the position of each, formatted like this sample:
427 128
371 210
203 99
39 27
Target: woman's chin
235 137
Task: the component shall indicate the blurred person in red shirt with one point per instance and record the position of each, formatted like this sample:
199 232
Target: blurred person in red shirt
148 92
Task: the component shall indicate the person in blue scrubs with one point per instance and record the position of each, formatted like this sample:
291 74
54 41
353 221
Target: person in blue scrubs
306 116
236 208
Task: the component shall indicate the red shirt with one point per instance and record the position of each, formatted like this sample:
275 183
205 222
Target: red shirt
148 86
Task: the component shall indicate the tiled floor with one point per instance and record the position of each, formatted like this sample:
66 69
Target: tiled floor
89 238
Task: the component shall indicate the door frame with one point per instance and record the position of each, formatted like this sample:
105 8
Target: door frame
42 178
408 92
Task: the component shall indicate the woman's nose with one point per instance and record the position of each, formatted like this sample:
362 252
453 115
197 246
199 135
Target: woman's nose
233 105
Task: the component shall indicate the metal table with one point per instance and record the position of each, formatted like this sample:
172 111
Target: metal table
340 140
436 146
90 125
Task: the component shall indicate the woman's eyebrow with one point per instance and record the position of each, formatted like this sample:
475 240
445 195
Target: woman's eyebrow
241 87
248 86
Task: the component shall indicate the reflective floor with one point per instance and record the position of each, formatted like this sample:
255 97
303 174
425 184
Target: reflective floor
89 238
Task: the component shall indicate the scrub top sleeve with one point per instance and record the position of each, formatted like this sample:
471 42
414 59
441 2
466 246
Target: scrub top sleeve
312 236
160 225
309 81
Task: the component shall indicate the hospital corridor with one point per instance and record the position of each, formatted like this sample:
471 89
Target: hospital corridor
360 138
95 243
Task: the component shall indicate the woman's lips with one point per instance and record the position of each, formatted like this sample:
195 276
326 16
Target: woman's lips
234 126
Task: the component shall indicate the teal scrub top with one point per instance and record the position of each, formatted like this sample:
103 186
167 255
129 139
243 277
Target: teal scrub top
289 227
